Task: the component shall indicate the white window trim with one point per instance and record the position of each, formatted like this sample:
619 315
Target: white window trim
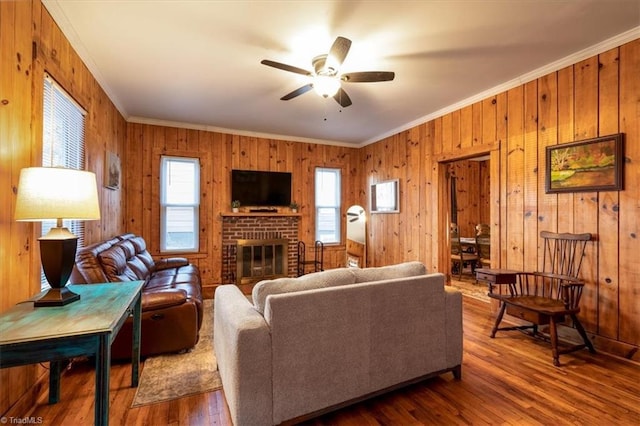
164 204
336 206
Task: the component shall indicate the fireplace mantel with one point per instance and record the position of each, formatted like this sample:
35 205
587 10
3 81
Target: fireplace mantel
261 214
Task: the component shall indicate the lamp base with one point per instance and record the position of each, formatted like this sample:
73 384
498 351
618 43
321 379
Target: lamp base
56 297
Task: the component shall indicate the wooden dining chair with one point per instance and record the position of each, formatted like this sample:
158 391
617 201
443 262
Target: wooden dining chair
461 257
483 245
483 229
483 248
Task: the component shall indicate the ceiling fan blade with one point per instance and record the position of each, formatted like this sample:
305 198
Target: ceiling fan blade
297 92
285 67
368 76
338 52
342 98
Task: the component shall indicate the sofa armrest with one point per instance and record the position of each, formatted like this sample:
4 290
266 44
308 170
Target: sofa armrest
161 299
171 262
453 326
242 343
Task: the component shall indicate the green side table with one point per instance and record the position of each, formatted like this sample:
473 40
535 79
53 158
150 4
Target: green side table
87 327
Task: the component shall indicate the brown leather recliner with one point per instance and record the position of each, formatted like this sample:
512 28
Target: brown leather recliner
171 296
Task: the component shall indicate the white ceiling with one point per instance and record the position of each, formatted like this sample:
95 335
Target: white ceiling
197 63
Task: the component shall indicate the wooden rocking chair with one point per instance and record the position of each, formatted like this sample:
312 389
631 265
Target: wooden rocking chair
548 297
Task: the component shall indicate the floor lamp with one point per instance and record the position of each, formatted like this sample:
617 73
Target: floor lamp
53 193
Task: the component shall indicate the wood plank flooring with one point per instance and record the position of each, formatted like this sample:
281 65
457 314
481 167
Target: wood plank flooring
508 380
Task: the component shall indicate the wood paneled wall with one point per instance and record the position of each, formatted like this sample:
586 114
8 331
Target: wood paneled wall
472 194
596 97
220 153
30 44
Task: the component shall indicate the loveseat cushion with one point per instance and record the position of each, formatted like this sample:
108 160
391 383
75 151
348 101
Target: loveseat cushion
401 270
329 278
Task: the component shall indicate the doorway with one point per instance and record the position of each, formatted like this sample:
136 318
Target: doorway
472 178
469 194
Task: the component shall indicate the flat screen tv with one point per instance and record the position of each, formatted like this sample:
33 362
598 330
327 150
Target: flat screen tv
258 188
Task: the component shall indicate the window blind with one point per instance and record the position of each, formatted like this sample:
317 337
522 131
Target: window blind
62 144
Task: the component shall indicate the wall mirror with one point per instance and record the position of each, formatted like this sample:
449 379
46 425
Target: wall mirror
385 197
356 237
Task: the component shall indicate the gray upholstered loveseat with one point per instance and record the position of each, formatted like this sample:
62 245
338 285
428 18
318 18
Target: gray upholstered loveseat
309 344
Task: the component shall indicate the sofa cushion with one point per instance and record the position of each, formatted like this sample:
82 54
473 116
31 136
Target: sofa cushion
330 278
114 263
139 268
88 268
401 270
141 252
128 248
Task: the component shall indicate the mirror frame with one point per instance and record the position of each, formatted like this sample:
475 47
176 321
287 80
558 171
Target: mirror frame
388 191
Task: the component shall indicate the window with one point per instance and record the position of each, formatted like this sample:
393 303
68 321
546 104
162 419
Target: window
328 205
62 145
179 203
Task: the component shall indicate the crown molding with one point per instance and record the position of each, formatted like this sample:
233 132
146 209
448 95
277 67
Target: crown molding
286 138
572 59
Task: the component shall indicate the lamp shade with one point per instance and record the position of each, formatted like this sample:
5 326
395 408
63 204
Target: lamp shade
46 193
326 86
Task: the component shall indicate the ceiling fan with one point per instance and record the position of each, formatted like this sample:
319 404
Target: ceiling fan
354 216
326 77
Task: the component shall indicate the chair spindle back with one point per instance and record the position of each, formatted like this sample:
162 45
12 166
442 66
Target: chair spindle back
563 253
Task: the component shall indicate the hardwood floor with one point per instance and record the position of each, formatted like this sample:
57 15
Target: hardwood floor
507 380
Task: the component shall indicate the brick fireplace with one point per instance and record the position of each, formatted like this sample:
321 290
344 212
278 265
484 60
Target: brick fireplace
258 246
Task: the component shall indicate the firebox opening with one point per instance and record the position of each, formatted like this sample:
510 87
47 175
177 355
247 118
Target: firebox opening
261 259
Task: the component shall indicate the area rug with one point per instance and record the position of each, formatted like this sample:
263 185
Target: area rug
173 376
470 288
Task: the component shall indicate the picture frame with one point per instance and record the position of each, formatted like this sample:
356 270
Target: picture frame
588 165
385 197
112 171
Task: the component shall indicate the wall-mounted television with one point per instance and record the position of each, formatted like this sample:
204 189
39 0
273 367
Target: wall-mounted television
260 188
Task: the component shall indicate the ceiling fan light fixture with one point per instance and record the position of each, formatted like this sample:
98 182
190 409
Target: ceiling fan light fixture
326 79
326 86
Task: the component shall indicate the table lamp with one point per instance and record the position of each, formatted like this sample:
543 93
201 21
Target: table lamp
52 193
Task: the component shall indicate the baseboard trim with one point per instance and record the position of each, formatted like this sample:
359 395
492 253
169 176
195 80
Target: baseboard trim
25 405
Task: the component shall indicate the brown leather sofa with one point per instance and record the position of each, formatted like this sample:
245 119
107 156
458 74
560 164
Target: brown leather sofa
171 296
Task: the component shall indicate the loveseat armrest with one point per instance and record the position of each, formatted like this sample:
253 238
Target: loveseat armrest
242 343
171 262
161 299
453 327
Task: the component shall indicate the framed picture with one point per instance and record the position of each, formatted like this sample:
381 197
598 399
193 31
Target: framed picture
385 197
585 166
112 171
